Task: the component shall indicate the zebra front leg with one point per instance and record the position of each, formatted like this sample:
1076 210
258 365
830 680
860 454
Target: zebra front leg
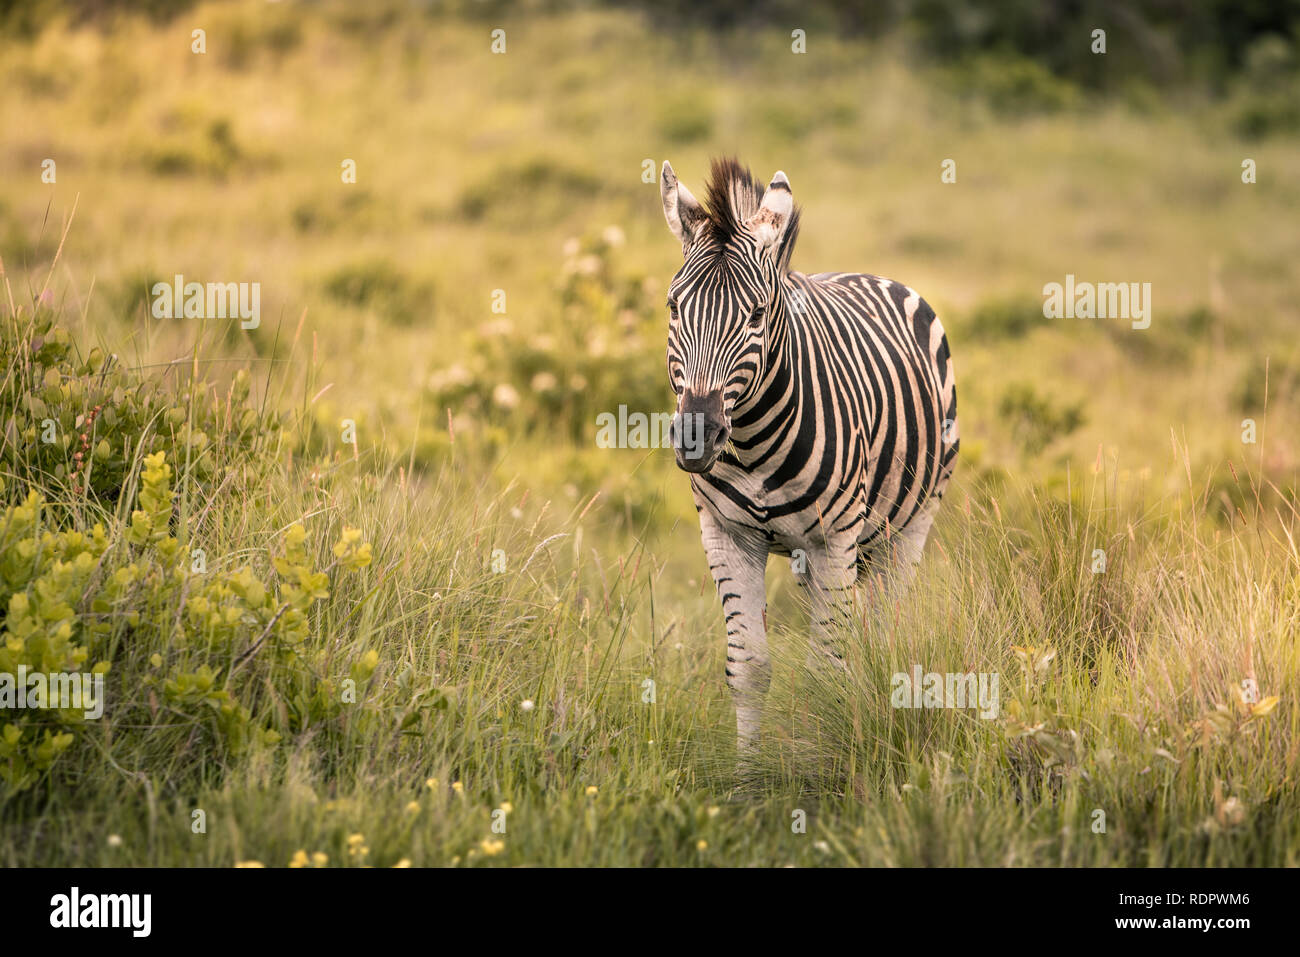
738 564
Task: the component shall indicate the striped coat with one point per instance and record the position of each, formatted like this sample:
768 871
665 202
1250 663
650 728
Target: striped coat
817 414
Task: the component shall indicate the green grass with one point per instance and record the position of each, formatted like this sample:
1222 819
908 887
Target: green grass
1120 689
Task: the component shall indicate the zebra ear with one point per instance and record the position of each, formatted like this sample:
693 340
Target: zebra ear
773 216
681 209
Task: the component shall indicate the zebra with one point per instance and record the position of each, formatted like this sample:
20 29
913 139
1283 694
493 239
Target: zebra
825 416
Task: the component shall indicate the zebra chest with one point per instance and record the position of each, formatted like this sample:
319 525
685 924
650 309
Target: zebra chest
754 499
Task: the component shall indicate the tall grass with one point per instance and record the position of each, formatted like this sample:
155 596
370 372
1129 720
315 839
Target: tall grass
503 665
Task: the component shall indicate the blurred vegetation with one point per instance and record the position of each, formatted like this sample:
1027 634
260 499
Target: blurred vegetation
603 326
1022 54
1035 420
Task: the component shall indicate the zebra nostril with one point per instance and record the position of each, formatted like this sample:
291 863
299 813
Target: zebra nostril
699 428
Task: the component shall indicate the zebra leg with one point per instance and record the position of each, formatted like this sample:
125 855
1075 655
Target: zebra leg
739 564
911 541
899 558
831 576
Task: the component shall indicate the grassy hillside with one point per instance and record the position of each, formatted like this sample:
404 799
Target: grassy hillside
385 643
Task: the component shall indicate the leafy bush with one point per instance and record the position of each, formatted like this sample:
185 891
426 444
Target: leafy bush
71 596
1267 99
1265 380
97 564
81 424
209 149
685 118
995 319
376 284
1035 420
538 186
1014 86
591 360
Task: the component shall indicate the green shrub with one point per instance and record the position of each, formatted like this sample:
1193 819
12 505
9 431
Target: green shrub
537 187
591 359
1013 85
685 118
1265 380
118 593
98 564
1034 419
1267 99
377 285
80 424
995 319
210 149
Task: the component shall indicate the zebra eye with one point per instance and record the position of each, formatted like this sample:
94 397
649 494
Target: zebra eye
756 317
672 308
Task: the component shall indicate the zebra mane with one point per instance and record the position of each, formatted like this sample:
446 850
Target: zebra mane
732 196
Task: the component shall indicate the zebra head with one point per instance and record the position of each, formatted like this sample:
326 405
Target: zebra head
736 248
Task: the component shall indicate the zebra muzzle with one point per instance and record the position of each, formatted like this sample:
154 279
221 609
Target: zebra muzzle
699 431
